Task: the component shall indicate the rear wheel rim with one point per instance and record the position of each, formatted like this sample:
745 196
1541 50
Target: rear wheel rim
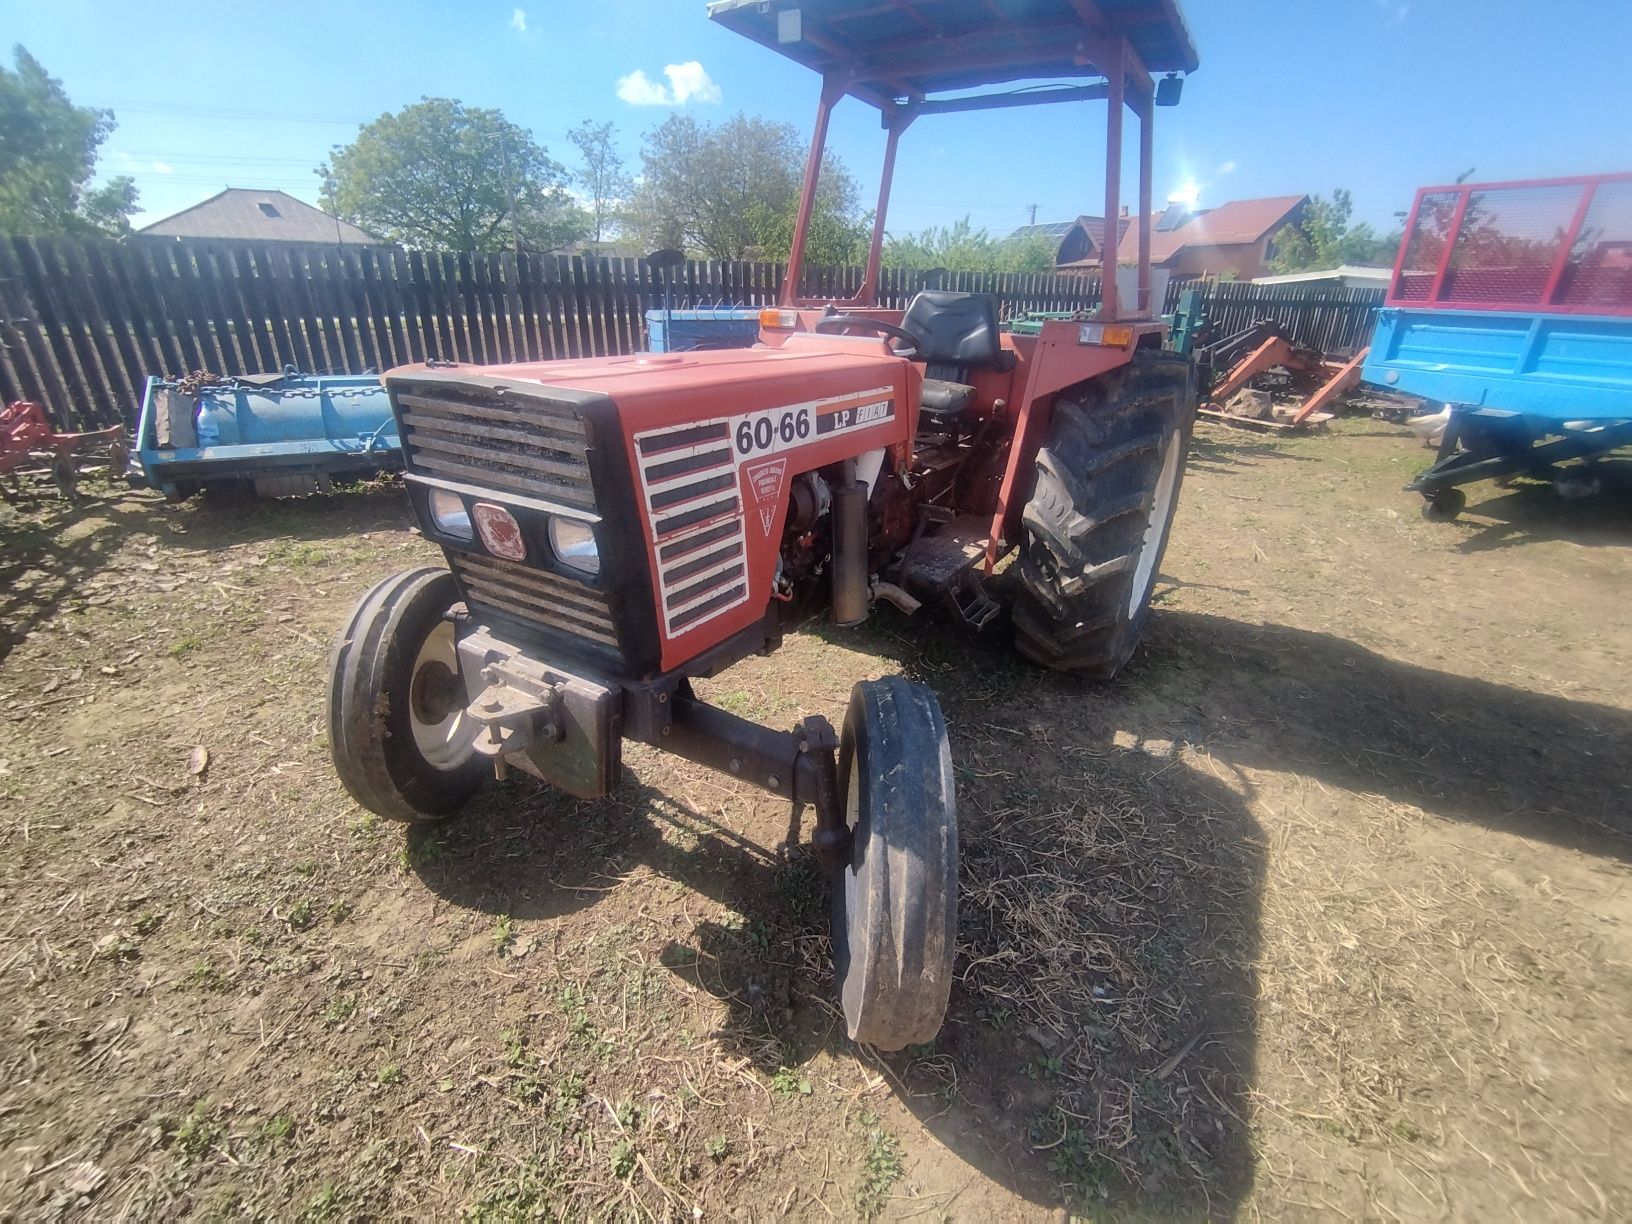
441 729
1161 509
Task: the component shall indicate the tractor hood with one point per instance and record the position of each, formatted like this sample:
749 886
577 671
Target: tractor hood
650 390
660 455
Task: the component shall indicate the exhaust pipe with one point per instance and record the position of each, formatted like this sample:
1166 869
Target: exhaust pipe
850 593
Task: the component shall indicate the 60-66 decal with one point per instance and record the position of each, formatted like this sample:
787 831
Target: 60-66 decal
779 429
767 431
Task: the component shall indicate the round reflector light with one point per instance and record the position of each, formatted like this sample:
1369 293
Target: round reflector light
499 531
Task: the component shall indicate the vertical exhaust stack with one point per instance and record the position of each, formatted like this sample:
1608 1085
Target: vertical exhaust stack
850 587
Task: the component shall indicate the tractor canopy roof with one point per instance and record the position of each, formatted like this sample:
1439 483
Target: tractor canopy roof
905 50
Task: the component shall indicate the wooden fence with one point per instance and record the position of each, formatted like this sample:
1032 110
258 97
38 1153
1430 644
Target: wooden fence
84 323
1333 320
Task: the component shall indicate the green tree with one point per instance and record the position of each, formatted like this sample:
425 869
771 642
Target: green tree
48 157
732 191
601 176
1325 239
960 247
444 176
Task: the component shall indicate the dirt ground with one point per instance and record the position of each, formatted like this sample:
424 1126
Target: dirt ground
1321 910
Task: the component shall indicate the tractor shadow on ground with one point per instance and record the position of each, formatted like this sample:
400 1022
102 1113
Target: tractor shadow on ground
1460 748
1531 511
1108 928
523 849
1100 1048
49 547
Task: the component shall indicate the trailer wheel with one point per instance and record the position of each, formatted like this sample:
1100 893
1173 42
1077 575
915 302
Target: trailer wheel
398 732
1444 505
1100 512
895 904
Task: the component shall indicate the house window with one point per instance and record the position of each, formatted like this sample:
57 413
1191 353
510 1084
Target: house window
1271 250
268 209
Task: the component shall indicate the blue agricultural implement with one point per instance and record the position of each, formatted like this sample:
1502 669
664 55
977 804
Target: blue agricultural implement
701 328
1511 304
282 434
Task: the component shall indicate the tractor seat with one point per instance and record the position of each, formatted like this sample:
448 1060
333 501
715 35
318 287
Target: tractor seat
956 332
944 401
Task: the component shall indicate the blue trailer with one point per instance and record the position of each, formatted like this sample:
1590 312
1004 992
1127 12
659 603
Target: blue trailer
1511 304
283 434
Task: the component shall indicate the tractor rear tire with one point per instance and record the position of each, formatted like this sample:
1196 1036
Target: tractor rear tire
895 904
398 734
1097 524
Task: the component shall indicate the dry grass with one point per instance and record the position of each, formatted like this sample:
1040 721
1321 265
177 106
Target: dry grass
1320 910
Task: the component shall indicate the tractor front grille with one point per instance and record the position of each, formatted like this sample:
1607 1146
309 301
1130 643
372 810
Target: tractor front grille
538 597
507 442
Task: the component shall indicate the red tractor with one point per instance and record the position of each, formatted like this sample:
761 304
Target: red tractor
615 527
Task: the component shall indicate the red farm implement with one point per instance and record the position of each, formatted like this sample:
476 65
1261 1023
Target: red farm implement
28 441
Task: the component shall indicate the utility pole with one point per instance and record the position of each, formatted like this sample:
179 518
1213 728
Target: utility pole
1033 208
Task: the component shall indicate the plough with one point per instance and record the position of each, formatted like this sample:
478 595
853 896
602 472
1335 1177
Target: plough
1256 351
28 439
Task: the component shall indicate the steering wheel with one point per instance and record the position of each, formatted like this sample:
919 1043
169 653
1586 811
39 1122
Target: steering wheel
835 323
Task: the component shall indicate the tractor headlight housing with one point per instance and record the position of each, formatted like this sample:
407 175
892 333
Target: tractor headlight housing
573 543
449 515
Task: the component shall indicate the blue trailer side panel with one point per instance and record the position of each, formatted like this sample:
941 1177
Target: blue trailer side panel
1567 367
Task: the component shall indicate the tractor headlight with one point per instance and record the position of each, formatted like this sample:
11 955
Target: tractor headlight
574 544
449 516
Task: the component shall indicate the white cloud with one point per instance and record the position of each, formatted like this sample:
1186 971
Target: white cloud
518 21
687 81
638 89
1227 168
137 166
1394 12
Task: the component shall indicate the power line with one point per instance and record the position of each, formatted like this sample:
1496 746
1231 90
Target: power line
210 158
255 183
185 110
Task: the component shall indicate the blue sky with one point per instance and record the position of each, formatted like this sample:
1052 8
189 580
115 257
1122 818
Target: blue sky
1293 96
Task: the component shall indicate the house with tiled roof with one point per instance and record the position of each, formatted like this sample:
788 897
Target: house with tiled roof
250 215
1234 239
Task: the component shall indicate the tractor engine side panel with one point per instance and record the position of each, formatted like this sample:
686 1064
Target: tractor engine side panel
713 487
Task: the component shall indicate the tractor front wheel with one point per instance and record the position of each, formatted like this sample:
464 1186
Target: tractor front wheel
1100 512
398 732
895 904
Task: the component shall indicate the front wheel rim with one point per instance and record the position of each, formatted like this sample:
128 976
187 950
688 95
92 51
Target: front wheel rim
1161 509
441 732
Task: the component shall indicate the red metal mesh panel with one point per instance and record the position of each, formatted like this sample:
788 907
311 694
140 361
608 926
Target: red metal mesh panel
1508 243
1426 245
1599 271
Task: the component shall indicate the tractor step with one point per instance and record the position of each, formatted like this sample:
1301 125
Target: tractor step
941 567
974 607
